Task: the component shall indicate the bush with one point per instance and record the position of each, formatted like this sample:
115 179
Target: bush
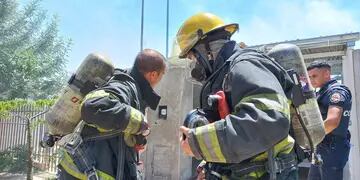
14 160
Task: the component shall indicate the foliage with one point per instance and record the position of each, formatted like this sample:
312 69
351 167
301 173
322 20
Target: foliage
18 159
14 159
7 106
32 54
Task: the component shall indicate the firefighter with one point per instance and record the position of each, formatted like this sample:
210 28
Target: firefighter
334 100
115 127
252 142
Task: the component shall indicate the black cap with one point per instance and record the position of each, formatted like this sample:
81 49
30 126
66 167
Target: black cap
318 64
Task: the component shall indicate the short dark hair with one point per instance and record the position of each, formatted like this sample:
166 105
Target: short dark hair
149 60
318 64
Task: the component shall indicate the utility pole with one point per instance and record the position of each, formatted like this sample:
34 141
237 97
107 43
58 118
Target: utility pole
167 28
142 25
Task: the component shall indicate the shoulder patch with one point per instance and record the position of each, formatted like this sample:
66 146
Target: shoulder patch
335 97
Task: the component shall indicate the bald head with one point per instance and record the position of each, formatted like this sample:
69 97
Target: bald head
150 60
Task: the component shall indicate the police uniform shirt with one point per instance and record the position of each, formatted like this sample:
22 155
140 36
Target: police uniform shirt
335 94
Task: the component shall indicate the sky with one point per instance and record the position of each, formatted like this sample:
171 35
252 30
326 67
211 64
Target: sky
113 27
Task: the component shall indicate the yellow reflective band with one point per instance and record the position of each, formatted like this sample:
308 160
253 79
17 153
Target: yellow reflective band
68 164
199 137
269 101
285 146
256 174
102 130
215 143
209 144
129 139
134 121
289 101
94 94
104 176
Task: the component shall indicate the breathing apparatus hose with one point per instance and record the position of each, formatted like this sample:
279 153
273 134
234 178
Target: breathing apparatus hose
315 159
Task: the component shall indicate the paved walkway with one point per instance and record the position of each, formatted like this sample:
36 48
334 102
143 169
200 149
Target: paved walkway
36 176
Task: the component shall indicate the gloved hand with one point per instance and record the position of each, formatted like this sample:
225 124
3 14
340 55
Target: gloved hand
135 140
140 143
145 131
139 138
195 118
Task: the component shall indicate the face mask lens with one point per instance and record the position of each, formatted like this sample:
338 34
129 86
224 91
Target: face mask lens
198 73
193 72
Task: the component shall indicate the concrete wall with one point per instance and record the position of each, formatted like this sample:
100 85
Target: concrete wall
164 159
351 72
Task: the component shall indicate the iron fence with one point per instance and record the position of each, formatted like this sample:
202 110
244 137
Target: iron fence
13 133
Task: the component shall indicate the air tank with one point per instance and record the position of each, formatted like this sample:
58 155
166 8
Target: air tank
64 115
305 113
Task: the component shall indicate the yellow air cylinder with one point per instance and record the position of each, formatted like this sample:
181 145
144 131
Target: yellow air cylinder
290 57
64 115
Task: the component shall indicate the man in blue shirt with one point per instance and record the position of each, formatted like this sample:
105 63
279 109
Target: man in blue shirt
334 101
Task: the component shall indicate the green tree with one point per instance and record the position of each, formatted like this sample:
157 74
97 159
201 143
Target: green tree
33 55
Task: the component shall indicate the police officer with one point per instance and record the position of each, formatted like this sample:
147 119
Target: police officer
252 142
334 100
115 125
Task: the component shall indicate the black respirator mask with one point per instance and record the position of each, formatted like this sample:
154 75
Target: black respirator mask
202 68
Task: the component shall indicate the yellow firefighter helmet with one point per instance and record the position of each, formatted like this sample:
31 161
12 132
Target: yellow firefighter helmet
197 27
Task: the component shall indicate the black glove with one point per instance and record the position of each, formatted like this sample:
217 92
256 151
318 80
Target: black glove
140 140
195 118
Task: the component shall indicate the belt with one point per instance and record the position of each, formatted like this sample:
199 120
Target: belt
282 162
329 139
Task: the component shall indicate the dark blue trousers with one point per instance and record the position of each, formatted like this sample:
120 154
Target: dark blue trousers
334 152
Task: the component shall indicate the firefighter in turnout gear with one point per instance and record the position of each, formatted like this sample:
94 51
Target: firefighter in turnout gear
251 142
113 130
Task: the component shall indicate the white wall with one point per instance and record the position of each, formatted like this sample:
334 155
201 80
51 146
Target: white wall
351 74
